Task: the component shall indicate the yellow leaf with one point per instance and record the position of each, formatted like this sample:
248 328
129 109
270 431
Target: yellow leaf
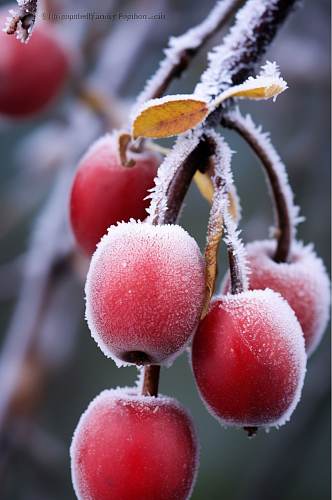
268 84
204 184
169 116
211 262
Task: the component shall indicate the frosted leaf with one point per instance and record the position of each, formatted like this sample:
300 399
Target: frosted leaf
184 145
118 425
144 292
190 41
267 84
264 335
168 116
303 282
264 143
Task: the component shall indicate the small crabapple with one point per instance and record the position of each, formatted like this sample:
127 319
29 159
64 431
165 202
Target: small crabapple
249 360
31 74
302 281
127 446
105 192
144 292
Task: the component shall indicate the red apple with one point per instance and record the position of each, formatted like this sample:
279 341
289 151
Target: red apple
32 74
145 292
249 360
126 446
104 192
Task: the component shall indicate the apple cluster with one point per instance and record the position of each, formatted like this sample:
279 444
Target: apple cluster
145 292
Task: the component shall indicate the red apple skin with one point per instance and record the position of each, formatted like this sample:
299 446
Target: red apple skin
104 192
144 292
303 282
249 360
126 447
31 74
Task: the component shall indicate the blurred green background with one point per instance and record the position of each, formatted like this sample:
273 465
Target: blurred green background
292 463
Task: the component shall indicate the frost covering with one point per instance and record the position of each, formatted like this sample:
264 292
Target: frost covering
144 291
231 53
249 359
184 145
128 446
220 205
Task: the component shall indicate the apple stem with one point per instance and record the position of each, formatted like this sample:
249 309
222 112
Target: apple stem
251 431
277 178
151 380
237 285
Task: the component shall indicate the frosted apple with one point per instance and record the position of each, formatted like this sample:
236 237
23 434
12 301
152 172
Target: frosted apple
126 447
145 292
32 74
302 281
105 192
249 360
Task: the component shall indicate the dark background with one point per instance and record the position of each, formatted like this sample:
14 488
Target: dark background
290 464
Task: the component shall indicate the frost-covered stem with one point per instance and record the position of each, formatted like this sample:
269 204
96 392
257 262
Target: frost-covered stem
151 380
182 49
232 62
223 181
197 160
286 212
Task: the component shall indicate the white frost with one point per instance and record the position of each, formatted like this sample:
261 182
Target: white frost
220 205
152 312
223 58
184 145
278 317
123 397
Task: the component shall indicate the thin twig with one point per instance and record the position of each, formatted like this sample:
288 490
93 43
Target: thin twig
286 211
